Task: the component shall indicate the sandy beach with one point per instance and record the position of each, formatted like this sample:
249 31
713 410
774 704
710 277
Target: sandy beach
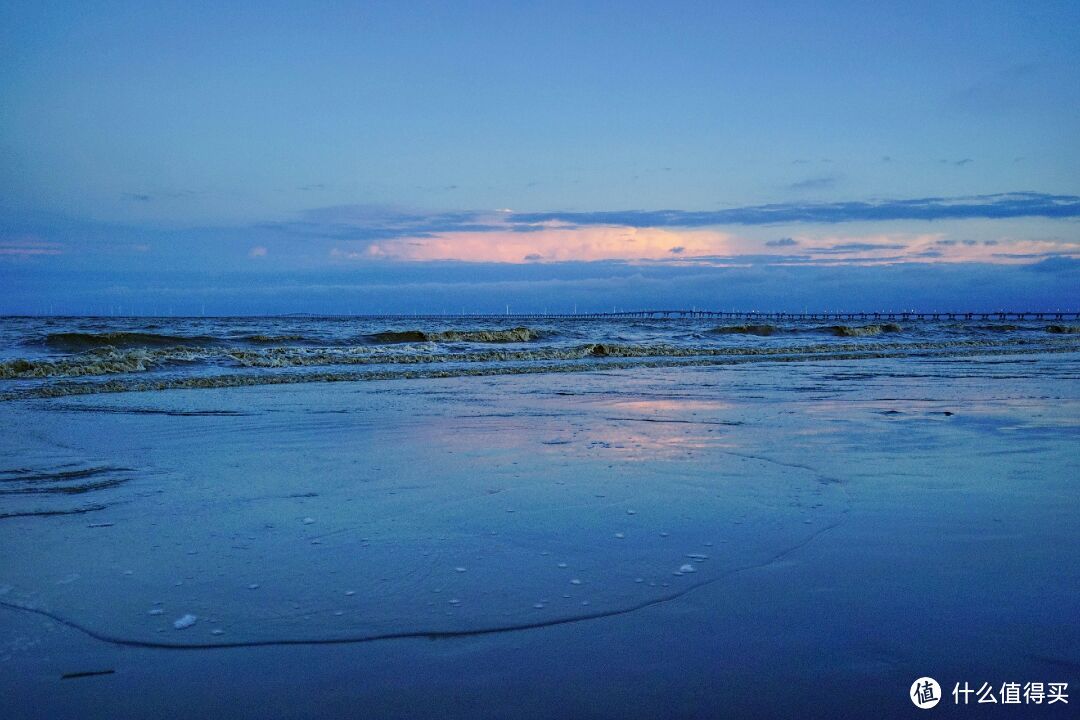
634 543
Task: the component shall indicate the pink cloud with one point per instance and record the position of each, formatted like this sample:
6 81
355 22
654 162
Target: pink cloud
558 244
561 243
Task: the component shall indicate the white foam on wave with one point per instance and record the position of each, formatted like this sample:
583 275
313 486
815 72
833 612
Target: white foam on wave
184 622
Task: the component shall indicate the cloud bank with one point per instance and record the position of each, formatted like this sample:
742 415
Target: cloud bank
1014 249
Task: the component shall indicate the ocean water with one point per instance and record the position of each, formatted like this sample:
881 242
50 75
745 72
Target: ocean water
319 517
66 356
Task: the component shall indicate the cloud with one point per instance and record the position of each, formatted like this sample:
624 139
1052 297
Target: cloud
380 222
351 236
556 244
1011 89
997 206
814 183
852 247
28 247
165 195
373 223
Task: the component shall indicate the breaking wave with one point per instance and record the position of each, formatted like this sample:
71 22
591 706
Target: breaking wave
82 341
763 330
77 342
112 361
105 361
622 358
862 330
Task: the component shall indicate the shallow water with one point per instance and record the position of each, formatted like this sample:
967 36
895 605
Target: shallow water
650 541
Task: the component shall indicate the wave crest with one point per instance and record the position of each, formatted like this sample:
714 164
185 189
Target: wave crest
763 330
82 341
104 361
862 330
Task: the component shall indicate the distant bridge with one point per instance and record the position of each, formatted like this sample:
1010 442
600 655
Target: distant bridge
752 316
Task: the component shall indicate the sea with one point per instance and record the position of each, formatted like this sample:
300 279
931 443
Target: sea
55 356
523 517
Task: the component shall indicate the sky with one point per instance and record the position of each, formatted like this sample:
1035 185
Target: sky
232 158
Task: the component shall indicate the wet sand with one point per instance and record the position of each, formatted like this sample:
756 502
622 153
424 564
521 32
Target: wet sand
762 540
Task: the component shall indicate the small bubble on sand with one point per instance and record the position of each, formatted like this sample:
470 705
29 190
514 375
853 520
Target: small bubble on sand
575 581
184 622
631 512
620 536
454 601
253 586
459 569
562 565
308 520
538 606
339 612
687 568
216 631
639 580
584 602
350 593
155 611
664 534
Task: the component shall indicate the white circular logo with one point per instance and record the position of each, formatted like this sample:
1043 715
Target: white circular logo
925 693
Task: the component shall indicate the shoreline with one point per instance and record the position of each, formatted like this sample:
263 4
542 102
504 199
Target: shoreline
800 487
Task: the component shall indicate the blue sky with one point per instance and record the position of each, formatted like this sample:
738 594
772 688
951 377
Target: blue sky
335 157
